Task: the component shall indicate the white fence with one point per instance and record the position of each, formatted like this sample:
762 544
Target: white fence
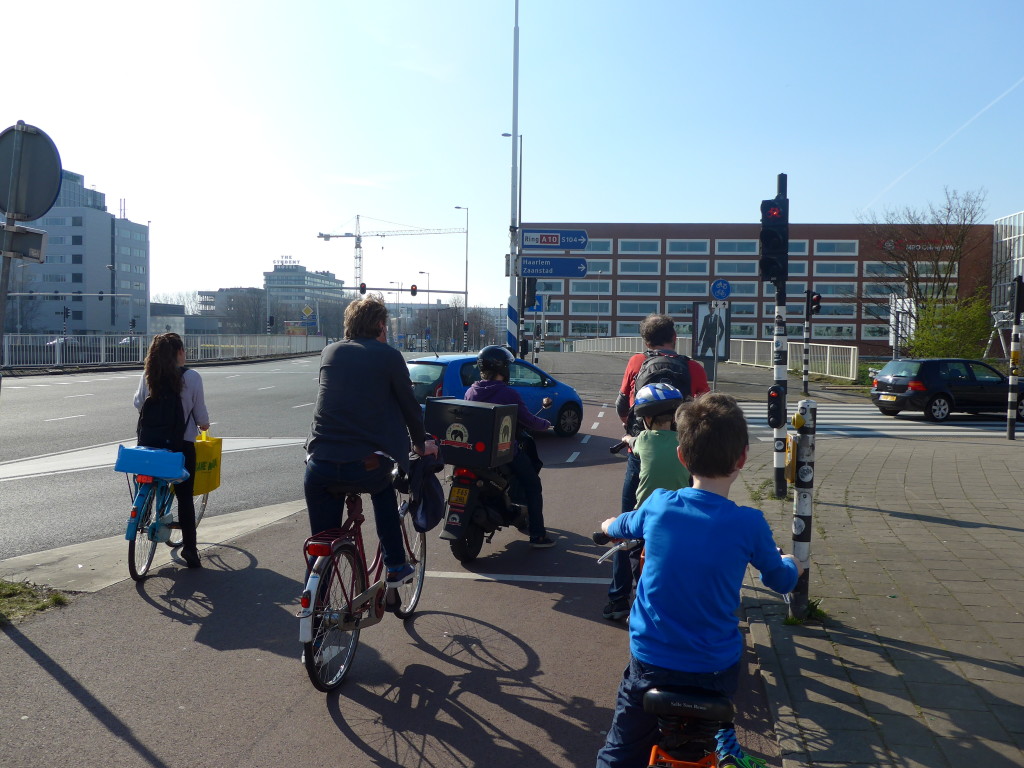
37 351
825 359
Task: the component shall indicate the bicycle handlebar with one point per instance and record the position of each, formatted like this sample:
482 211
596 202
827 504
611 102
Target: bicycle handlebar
617 447
602 538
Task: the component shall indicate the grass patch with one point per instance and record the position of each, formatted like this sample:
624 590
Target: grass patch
766 491
814 613
21 599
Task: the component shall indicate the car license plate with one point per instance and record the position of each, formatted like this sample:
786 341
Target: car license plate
458 495
888 398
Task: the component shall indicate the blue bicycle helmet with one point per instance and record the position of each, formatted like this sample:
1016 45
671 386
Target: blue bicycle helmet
656 399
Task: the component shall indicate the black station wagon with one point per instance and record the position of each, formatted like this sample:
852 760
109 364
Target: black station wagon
940 386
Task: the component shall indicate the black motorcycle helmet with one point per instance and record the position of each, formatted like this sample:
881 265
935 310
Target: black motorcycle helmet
495 359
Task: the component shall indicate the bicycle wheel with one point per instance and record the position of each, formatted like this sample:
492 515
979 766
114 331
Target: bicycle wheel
200 502
416 554
141 549
328 656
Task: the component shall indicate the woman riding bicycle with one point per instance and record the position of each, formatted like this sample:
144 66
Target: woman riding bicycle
365 414
165 375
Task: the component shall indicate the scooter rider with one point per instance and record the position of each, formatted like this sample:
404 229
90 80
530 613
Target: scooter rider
494 363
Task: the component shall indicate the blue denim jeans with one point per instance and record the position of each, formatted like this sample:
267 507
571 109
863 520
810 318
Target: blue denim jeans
325 510
633 731
625 565
530 491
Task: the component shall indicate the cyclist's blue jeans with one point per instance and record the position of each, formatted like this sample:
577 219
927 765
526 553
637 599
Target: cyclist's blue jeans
626 564
327 511
532 491
633 731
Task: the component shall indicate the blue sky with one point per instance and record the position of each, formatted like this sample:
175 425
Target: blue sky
242 129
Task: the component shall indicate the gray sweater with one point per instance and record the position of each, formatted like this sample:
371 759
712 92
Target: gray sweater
365 404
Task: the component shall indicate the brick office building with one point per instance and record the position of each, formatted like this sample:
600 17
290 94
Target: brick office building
636 269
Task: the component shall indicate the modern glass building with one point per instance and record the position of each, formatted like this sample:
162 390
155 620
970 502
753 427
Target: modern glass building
1007 257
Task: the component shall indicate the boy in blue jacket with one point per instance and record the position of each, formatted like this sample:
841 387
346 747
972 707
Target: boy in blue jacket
683 628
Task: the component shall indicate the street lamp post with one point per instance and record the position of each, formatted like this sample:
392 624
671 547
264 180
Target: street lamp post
398 322
429 300
598 307
465 293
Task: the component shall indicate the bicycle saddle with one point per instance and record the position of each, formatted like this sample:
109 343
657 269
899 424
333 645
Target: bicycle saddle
686 701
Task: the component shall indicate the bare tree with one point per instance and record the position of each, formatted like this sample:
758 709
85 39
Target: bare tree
928 255
247 312
188 299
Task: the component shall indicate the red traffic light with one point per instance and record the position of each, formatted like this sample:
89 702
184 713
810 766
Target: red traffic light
465 325
774 212
362 287
815 303
412 289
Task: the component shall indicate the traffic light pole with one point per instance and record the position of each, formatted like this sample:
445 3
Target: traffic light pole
780 362
807 340
774 268
805 420
1017 298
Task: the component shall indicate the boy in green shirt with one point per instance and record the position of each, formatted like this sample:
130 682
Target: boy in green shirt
656 446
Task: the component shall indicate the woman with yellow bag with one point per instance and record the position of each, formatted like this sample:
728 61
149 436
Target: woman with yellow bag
167 391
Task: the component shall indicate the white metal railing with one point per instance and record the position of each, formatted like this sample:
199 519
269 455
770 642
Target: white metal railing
48 351
825 359
831 360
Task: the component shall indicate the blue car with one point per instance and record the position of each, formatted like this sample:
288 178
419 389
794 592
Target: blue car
452 375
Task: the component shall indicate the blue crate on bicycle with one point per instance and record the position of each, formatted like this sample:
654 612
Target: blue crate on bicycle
155 462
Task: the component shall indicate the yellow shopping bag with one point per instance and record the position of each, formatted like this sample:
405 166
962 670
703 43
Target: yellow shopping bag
207 464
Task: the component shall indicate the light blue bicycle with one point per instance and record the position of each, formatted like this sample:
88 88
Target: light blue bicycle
153 474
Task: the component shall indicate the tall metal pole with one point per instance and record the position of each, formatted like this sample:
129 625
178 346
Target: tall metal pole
780 361
805 420
807 340
512 324
1017 297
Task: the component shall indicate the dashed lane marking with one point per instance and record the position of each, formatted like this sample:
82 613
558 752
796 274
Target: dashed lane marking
63 418
572 457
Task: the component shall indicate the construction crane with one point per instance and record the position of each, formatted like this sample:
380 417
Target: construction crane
360 235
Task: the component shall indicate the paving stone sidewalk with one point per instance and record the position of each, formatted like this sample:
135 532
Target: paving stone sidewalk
918 561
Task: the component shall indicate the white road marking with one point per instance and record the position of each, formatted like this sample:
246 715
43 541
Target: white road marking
304 405
586 439
572 457
104 456
515 577
68 397
233 376
600 414
595 425
62 418
260 389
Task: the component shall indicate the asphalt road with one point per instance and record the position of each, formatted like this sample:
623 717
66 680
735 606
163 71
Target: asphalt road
507 663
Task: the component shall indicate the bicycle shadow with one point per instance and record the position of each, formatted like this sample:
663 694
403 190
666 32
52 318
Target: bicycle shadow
476 704
230 592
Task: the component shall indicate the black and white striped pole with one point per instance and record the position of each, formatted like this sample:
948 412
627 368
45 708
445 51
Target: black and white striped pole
1017 291
805 420
807 340
774 268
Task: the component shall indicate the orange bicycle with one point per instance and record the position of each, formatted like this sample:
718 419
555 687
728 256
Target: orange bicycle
336 603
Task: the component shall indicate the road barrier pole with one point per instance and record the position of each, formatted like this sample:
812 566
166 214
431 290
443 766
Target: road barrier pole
805 420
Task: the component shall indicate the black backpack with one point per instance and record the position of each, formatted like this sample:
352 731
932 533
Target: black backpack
162 423
659 368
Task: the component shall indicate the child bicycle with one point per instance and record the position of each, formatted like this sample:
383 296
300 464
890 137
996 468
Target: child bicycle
152 473
689 718
336 602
